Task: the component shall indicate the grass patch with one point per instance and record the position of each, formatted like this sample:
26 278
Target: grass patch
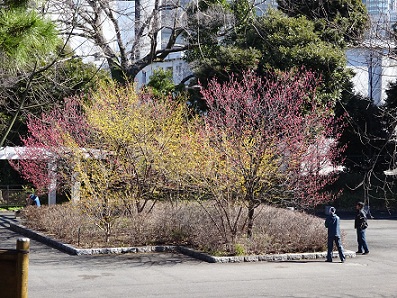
11 208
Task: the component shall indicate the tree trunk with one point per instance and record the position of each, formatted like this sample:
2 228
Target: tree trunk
117 72
251 210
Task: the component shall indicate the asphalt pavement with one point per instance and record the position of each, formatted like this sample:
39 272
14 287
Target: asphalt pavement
55 274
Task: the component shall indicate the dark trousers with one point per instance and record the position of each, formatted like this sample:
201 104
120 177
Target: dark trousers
338 243
362 242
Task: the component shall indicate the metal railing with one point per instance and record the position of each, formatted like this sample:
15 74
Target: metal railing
12 196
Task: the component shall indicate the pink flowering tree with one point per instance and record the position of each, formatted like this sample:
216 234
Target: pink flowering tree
263 140
49 145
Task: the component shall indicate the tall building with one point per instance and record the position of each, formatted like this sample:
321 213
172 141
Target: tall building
383 16
379 6
372 62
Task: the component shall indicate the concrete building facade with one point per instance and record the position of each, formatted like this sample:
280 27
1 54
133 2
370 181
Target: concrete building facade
374 62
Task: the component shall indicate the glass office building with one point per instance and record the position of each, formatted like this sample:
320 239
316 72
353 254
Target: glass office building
375 6
379 6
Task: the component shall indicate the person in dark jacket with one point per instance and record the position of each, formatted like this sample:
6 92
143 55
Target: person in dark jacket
360 224
332 222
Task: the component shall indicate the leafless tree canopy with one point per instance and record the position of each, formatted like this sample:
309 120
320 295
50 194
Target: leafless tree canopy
129 35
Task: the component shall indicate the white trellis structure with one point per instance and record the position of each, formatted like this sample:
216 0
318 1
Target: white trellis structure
16 153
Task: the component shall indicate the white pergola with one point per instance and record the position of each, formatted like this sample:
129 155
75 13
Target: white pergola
16 153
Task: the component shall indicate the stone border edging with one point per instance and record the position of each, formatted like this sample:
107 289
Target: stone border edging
261 258
170 248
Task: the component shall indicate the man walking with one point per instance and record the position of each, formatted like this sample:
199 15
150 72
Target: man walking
332 222
361 224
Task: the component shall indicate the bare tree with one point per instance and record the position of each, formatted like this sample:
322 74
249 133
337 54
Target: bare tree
127 35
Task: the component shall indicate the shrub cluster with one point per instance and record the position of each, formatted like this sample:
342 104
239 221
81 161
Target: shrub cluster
195 225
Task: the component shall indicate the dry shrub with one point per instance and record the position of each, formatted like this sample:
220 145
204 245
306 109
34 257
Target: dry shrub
184 223
291 231
59 221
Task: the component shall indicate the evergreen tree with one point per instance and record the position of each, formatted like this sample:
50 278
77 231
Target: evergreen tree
25 36
289 42
338 21
265 43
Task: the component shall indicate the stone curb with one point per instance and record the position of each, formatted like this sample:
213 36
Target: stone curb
86 251
261 258
170 248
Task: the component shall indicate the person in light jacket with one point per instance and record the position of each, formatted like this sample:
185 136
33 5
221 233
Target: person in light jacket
32 199
332 223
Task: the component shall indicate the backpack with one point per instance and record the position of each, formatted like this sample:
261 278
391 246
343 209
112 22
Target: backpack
364 224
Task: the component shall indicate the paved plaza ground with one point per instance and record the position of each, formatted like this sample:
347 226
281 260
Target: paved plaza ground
55 274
